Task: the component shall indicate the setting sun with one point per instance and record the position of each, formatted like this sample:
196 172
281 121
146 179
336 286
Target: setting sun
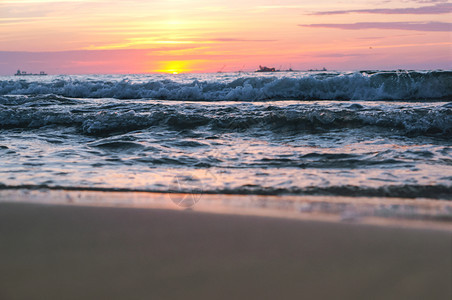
174 67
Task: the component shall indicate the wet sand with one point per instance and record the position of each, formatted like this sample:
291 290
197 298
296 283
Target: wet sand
78 252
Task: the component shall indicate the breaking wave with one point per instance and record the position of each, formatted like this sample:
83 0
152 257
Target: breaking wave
95 119
364 85
101 120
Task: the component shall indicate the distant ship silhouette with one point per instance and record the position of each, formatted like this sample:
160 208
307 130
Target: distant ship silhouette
23 73
266 69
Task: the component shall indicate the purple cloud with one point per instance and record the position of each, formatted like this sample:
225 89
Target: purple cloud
388 36
416 26
430 1
441 8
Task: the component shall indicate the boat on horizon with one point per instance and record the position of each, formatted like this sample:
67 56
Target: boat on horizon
318 70
266 69
23 73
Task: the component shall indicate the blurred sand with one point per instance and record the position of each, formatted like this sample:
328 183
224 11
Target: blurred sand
76 252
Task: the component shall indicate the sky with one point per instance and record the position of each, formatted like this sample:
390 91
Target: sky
169 36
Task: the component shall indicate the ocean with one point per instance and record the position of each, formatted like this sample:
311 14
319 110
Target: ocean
354 134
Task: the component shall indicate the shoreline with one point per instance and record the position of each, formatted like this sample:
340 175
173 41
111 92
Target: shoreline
87 252
420 213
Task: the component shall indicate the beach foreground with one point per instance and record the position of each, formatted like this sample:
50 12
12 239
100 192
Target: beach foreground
79 252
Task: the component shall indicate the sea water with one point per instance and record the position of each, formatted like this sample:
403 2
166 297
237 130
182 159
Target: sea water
367 133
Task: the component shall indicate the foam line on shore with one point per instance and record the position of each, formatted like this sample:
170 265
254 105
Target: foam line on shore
399 212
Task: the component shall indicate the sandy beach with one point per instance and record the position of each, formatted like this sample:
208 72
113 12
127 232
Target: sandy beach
210 150
79 252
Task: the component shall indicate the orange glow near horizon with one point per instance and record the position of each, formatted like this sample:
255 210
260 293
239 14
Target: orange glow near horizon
203 36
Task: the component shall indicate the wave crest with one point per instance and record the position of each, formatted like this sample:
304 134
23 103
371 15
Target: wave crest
94 120
396 85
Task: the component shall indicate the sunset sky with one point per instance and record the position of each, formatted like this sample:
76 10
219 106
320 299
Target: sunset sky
138 36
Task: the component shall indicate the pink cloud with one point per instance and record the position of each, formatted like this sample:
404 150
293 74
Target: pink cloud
442 8
416 26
